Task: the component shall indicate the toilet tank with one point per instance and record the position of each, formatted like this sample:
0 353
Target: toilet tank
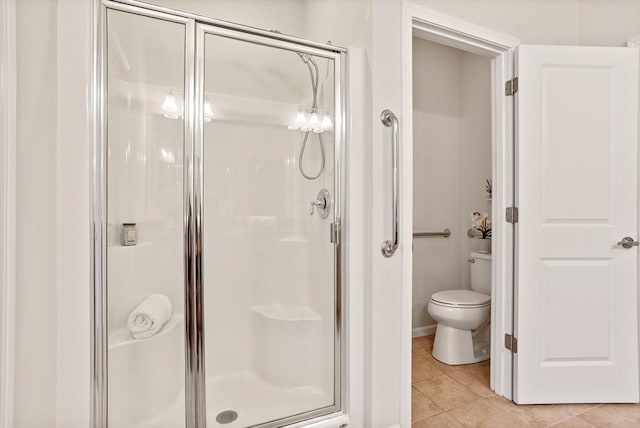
481 273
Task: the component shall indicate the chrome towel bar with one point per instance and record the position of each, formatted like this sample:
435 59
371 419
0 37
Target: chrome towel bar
445 234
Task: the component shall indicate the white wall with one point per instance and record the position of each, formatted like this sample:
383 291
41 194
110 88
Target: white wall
475 151
608 22
35 371
282 15
52 294
436 171
452 159
344 22
73 261
383 276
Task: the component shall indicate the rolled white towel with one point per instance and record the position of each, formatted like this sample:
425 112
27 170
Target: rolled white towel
149 316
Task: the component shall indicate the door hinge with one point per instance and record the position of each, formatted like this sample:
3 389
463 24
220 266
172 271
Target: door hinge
334 231
511 343
512 215
511 86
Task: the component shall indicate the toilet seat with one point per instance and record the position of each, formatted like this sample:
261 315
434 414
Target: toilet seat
461 299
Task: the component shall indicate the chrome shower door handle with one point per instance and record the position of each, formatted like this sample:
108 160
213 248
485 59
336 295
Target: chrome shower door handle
390 120
628 242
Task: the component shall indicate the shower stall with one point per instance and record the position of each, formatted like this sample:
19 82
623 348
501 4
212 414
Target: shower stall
217 206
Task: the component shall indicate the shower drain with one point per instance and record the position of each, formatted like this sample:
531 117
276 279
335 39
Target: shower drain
226 417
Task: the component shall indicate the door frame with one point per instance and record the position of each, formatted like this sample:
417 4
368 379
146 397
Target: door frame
443 29
8 88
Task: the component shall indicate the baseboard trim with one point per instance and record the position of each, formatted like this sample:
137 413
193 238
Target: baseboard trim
424 330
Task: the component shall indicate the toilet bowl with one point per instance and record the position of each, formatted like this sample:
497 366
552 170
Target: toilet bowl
462 334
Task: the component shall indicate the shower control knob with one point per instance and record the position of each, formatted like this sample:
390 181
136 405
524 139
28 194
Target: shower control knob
321 204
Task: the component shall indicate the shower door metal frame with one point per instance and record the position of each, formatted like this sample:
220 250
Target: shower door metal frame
338 57
99 290
196 27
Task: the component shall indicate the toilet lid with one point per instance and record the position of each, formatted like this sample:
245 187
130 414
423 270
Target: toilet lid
466 298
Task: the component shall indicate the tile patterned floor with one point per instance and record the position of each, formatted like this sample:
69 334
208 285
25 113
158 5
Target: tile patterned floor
459 396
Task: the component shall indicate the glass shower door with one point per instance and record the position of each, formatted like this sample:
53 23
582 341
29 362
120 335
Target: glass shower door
269 261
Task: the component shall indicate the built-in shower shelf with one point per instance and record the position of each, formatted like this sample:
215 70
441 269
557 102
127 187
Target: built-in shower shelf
122 336
287 312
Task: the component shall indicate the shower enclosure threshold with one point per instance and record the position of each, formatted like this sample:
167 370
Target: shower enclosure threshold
255 401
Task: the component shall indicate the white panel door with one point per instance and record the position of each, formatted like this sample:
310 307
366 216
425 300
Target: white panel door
577 173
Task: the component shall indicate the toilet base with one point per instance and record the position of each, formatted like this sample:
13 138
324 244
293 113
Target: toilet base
454 347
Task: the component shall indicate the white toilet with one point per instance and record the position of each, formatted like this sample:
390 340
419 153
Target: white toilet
463 335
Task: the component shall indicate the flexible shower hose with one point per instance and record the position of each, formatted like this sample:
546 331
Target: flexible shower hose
314 108
301 156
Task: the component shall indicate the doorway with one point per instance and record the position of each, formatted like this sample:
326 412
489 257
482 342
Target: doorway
495 49
452 227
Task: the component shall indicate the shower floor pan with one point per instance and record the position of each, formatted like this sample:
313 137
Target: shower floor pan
253 399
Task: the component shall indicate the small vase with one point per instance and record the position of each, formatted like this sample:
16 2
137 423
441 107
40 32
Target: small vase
484 245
